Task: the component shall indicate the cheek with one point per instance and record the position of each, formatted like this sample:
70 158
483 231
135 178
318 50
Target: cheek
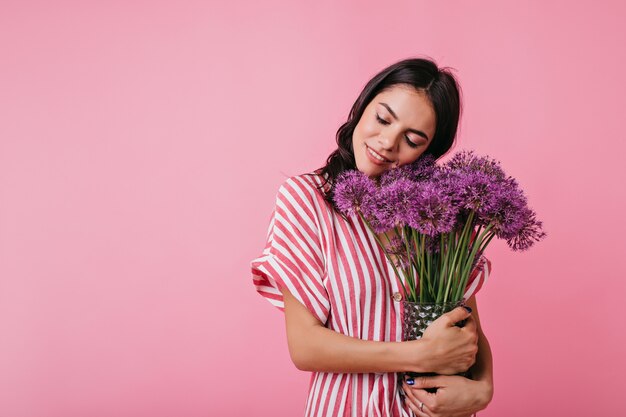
371 129
366 129
408 156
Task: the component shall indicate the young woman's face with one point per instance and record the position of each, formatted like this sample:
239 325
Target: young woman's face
395 129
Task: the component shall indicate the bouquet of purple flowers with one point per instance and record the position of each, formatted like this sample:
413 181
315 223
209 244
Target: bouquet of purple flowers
438 219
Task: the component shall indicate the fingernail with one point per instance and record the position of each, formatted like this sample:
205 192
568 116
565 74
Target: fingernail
468 308
410 381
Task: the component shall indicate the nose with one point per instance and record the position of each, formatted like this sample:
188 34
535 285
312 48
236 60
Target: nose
389 142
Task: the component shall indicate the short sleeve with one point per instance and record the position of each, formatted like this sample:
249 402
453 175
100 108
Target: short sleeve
478 277
293 256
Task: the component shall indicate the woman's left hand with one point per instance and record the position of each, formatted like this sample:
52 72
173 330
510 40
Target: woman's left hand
456 396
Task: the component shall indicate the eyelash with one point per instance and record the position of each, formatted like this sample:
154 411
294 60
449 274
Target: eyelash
384 122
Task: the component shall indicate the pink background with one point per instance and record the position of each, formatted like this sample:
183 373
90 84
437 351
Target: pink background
142 144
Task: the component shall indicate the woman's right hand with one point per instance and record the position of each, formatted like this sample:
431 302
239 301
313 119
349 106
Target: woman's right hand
450 349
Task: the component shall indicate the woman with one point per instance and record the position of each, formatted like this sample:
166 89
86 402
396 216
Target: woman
339 293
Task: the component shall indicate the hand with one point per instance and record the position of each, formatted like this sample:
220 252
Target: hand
453 349
455 397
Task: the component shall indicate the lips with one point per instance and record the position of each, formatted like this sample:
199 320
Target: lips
375 156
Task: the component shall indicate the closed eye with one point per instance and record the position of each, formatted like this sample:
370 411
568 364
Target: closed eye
381 121
408 141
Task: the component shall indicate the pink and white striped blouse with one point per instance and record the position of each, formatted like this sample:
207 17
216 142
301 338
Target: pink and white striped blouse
337 270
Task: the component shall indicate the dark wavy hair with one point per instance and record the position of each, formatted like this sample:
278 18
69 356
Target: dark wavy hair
439 85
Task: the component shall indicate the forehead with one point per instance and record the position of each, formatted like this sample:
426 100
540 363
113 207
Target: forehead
410 105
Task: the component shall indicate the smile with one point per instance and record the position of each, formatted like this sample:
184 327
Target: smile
375 155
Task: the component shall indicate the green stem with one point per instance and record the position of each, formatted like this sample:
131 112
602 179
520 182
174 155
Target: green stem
478 242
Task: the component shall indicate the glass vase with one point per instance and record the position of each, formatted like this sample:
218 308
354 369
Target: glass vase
416 318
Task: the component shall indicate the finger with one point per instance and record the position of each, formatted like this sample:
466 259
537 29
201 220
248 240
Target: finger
456 315
425 397
416 410
470 321
414 404
408 392
470 324
426 382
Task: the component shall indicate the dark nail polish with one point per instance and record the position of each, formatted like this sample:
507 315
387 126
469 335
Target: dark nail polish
410 381
468 308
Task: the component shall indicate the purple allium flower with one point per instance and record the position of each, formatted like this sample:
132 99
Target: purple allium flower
396 245
432 204
395 174
432 211
530 232
397 248
424 168
420 170
472 182
506 212
467 161
390 204
478 191
422 205
450 183
352 190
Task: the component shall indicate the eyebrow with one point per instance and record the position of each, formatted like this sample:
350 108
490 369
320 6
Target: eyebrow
417 132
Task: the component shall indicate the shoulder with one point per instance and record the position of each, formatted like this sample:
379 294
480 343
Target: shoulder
308 187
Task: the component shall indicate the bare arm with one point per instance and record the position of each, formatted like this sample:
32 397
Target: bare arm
313 347
482 370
